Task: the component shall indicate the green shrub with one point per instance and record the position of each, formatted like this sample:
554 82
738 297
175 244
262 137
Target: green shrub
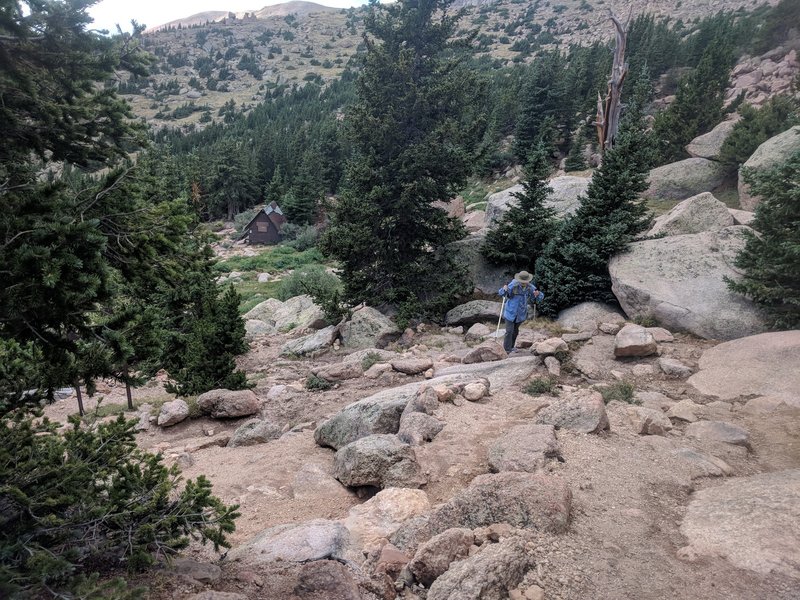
622 391
300 237
370 359
317 384
276 258
311 280
542 385
645 320
756 126
89 501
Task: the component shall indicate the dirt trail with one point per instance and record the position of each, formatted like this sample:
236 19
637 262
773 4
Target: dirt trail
630 492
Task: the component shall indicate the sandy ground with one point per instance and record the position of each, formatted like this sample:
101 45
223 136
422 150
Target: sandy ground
629 491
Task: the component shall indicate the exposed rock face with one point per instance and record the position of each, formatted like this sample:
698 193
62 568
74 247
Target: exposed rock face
551 346
754 522
564 197
486 278
254 431
486 352
296 542
489 575
326 580
501 374
435 556
380 516
417 427
172 413
524 448
588 314
634 340
719 432
199 571
369 328
673 368
412 366
228 404
698 213
663 278
583 411
379 413
647 421
742 217
769 154
475 220
709 144
684 179
299 311
316 342
339 371
378 460
264 311
524 500
255 329
763 365
476 311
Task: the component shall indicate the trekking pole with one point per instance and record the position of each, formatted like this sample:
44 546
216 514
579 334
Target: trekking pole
502 306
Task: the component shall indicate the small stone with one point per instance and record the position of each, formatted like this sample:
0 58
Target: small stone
634 340
377 370
661 335
551 346
685 410
647 421
475 391
553 366
610 328
673 368
412 366
478 331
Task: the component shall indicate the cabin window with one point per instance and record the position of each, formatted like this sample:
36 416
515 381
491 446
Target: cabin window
262 227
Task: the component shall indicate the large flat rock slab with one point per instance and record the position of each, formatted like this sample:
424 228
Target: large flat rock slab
680 280
753 522
763 365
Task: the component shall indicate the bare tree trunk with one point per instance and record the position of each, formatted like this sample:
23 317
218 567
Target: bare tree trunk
610 108
77 385
129 395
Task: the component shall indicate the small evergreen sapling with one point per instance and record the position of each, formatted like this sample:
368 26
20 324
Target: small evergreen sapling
771 259
527 227
574 266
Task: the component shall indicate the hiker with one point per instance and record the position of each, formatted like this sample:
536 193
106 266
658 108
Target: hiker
518 293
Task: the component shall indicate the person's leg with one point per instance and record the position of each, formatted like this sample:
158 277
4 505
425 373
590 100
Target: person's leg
516 333
510 337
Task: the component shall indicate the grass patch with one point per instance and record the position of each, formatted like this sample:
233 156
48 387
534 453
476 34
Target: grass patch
542 385
253 293
542 324
645 320
622 391
370 359
274 258
317 384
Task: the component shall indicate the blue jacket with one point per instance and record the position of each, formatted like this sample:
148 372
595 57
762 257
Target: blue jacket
517 300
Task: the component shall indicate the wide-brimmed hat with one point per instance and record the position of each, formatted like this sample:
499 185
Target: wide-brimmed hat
523 277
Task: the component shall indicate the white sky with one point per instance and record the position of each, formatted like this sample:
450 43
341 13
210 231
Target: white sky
152 13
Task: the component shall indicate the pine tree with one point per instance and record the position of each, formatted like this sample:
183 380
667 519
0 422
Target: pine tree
544 103
413 142
698 104
771 259
307 191
213 337
575 159
756 126
529 225
574 267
